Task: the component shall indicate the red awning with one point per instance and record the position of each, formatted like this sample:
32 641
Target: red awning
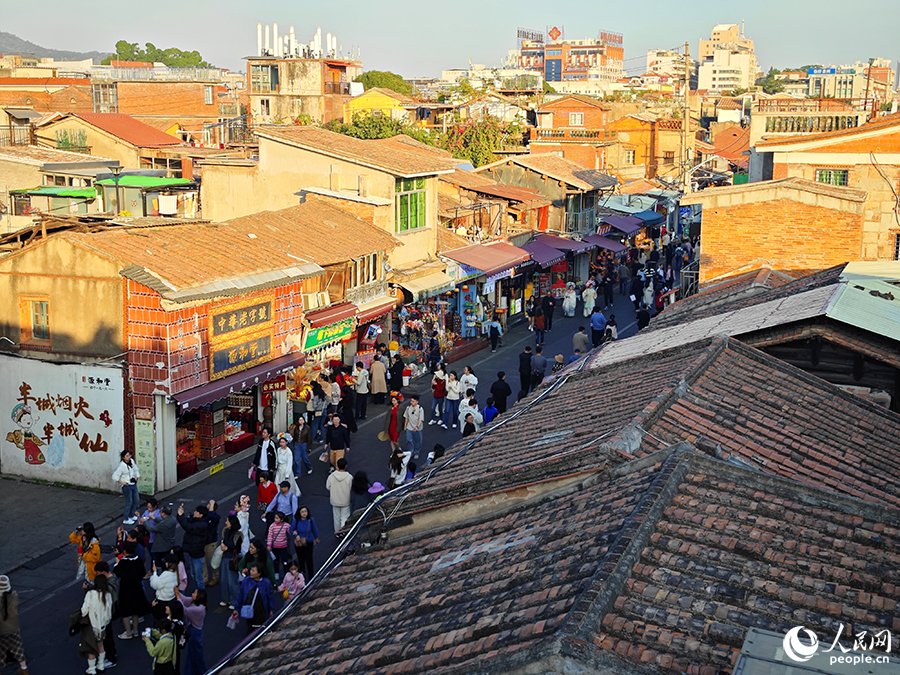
489 258
324 317
235 384
372 310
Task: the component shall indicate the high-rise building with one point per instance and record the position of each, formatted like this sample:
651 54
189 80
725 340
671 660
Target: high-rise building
724 35
671 63
727 60
559 60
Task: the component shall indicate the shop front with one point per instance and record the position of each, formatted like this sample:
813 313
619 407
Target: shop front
578 257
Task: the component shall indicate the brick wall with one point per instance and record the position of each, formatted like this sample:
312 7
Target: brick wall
594 117
788 234
588 156
166 98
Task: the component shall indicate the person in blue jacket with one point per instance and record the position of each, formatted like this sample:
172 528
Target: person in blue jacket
256 591
306 536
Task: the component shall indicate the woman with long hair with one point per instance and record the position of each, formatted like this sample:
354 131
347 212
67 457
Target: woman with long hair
451 405
397 465
97 607
194 614
439 393
277 541
258 553
359 491
467 381
88 551
133 602
232 539
306 535
126 475
164 583
10 636
393 423
320 405
257 591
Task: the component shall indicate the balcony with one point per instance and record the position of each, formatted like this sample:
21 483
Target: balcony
367 293
583 222
341 88
571 135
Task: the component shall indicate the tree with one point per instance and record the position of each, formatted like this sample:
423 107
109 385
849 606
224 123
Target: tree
377 126
770 83
385 79
548 89
172 57
478 140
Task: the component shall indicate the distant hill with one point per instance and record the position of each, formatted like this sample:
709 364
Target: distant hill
13 44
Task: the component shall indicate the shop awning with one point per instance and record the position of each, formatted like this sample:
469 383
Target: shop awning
489 258
324 317
626 224
235 384
428 286
650 217
604 242
542 254
23 114
563 244
370 311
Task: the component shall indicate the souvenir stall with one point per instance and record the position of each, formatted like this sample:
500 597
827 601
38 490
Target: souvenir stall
416 321
187 445
240 416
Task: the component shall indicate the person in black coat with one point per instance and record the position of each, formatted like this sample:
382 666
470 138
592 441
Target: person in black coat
548 304
268 446
525 370
196 531
501 390
133 602
396 371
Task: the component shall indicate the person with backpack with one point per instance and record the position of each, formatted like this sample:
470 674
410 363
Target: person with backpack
538 367
495 330
432 352
256 599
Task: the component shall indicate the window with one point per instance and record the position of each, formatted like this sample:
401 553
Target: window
629 157
576 119
832 176
263 79
106 98
558 153
897 247
365 270
409 204
264 109
34 318
208 94
669 157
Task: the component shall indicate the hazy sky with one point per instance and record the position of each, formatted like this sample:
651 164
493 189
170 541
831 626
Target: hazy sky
421 38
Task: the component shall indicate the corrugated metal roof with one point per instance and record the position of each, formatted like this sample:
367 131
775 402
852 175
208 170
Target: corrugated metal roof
874 307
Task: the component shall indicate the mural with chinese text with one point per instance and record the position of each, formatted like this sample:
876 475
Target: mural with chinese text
61 422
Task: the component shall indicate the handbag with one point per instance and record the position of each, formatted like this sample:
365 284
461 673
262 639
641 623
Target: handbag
286 594
216 560
247 610
233 563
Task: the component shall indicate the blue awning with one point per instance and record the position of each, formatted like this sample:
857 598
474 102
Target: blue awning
650 217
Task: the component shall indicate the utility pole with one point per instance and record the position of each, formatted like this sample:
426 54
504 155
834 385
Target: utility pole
868 80
686 122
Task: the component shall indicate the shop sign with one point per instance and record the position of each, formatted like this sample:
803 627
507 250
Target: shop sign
316 337
63 422
505 274
459 272
233 358
278 384
603 229
517 306
240 316
559 267
145 455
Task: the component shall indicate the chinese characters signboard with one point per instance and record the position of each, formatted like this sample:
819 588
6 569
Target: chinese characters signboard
145 455
316 337
62 422
240 335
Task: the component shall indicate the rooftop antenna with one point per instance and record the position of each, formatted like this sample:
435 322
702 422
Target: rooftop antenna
742 29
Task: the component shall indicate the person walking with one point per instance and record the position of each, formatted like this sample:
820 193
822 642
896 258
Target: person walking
378 381
397 464
539 323
194 615
589 296
624 275
362 390
98 607
265 457
278 541
10 633
232 541
347 406
393 423
133 603
570 300
285 502
538 367
451 405
609 283
319 401
257 553
643 317
580 341
495 331
284 463
438 394
598 326
88 551
256 592
396 373
413 423
612 328
302 436
433 351
468 380
109 637
306 536
126 475
469 406
525 370
337 440
338 486
500 392
548 304
196 530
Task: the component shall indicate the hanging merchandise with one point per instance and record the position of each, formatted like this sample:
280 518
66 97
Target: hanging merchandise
414 326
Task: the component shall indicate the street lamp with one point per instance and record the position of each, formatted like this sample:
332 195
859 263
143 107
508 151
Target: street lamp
116 170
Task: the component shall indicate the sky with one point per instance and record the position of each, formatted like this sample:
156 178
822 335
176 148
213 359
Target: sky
419 39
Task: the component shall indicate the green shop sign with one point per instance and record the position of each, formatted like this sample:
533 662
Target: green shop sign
316 337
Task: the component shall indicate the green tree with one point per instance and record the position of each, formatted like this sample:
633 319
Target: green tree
172 57
478 140
548 89
375 126
385 79
770 83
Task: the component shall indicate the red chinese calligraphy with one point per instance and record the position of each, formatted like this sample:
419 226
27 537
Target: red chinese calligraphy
105 418
97 445
81 408
48 432
25 393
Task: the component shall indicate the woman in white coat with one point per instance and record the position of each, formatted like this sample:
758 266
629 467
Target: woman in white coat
97 607
589 295
467 381
570 299
284 463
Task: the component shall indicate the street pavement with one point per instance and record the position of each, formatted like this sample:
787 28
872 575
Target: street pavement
37 519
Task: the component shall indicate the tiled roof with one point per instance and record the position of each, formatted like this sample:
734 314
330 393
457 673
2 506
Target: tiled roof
565 170
128 129
467 179
384 157
640 187
447 240
33 154
581 98
663 563
731 143
310 234
403 142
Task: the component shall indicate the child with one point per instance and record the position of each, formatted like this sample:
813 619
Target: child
266 491
490 410
163 650
293 582
469 426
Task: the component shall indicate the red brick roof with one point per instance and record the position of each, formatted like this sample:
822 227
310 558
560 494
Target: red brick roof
128 129
660 563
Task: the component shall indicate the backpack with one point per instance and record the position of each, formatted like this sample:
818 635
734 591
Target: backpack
495 332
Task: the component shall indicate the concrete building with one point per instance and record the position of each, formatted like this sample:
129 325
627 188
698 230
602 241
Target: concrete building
724 35
573 127
727 60
783 115
587 59
287 79
666 61
853 83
